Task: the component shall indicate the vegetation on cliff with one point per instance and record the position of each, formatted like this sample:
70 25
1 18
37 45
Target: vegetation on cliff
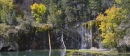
60 17
109 22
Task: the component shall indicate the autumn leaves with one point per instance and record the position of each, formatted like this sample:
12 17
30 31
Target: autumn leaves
109 22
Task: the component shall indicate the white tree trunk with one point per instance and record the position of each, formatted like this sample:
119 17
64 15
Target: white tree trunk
49 40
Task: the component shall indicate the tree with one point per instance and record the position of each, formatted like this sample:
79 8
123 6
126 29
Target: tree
109 22
37 11
56 15
75 10
7 12
125 23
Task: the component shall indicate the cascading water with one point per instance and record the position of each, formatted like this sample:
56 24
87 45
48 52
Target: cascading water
63 52
83 44
91 34
80 31
63 41
86 36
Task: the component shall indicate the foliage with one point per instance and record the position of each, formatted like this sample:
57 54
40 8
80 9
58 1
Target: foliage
37 11
65 13
3 28
56 16
125 24
109 23
6 31
124 4
44 27
7 12
6 4
118 1
89 24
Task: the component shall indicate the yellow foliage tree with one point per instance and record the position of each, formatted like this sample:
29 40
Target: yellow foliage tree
37 11
109 22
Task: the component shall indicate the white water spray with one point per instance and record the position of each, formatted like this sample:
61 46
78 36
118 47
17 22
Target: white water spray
62 37
91 35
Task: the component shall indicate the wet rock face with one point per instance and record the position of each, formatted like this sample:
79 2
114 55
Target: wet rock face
39 40
31 39
6 45
8 37
3 44
26 38
70 39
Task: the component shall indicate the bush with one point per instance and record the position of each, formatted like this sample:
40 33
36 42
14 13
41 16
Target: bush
109 24
37 10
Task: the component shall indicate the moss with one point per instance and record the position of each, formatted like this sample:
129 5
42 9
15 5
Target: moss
44 27
94 51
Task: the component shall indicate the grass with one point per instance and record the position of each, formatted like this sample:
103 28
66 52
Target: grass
88 51
93 51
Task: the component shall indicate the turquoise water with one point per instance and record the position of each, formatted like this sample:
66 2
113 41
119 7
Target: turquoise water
55 53
33 53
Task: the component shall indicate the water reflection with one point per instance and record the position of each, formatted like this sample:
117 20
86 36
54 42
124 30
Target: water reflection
49 52
93 54
56 53
35 53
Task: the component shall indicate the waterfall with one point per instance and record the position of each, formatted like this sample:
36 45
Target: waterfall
82 31
62 37
83 45
86 36
63 52
91 34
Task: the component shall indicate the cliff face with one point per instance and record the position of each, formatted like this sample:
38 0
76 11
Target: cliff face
25 4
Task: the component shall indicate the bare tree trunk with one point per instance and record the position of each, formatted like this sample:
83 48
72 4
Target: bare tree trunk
49 40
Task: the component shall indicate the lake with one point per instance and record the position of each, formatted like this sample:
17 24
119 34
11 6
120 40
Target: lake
57 53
